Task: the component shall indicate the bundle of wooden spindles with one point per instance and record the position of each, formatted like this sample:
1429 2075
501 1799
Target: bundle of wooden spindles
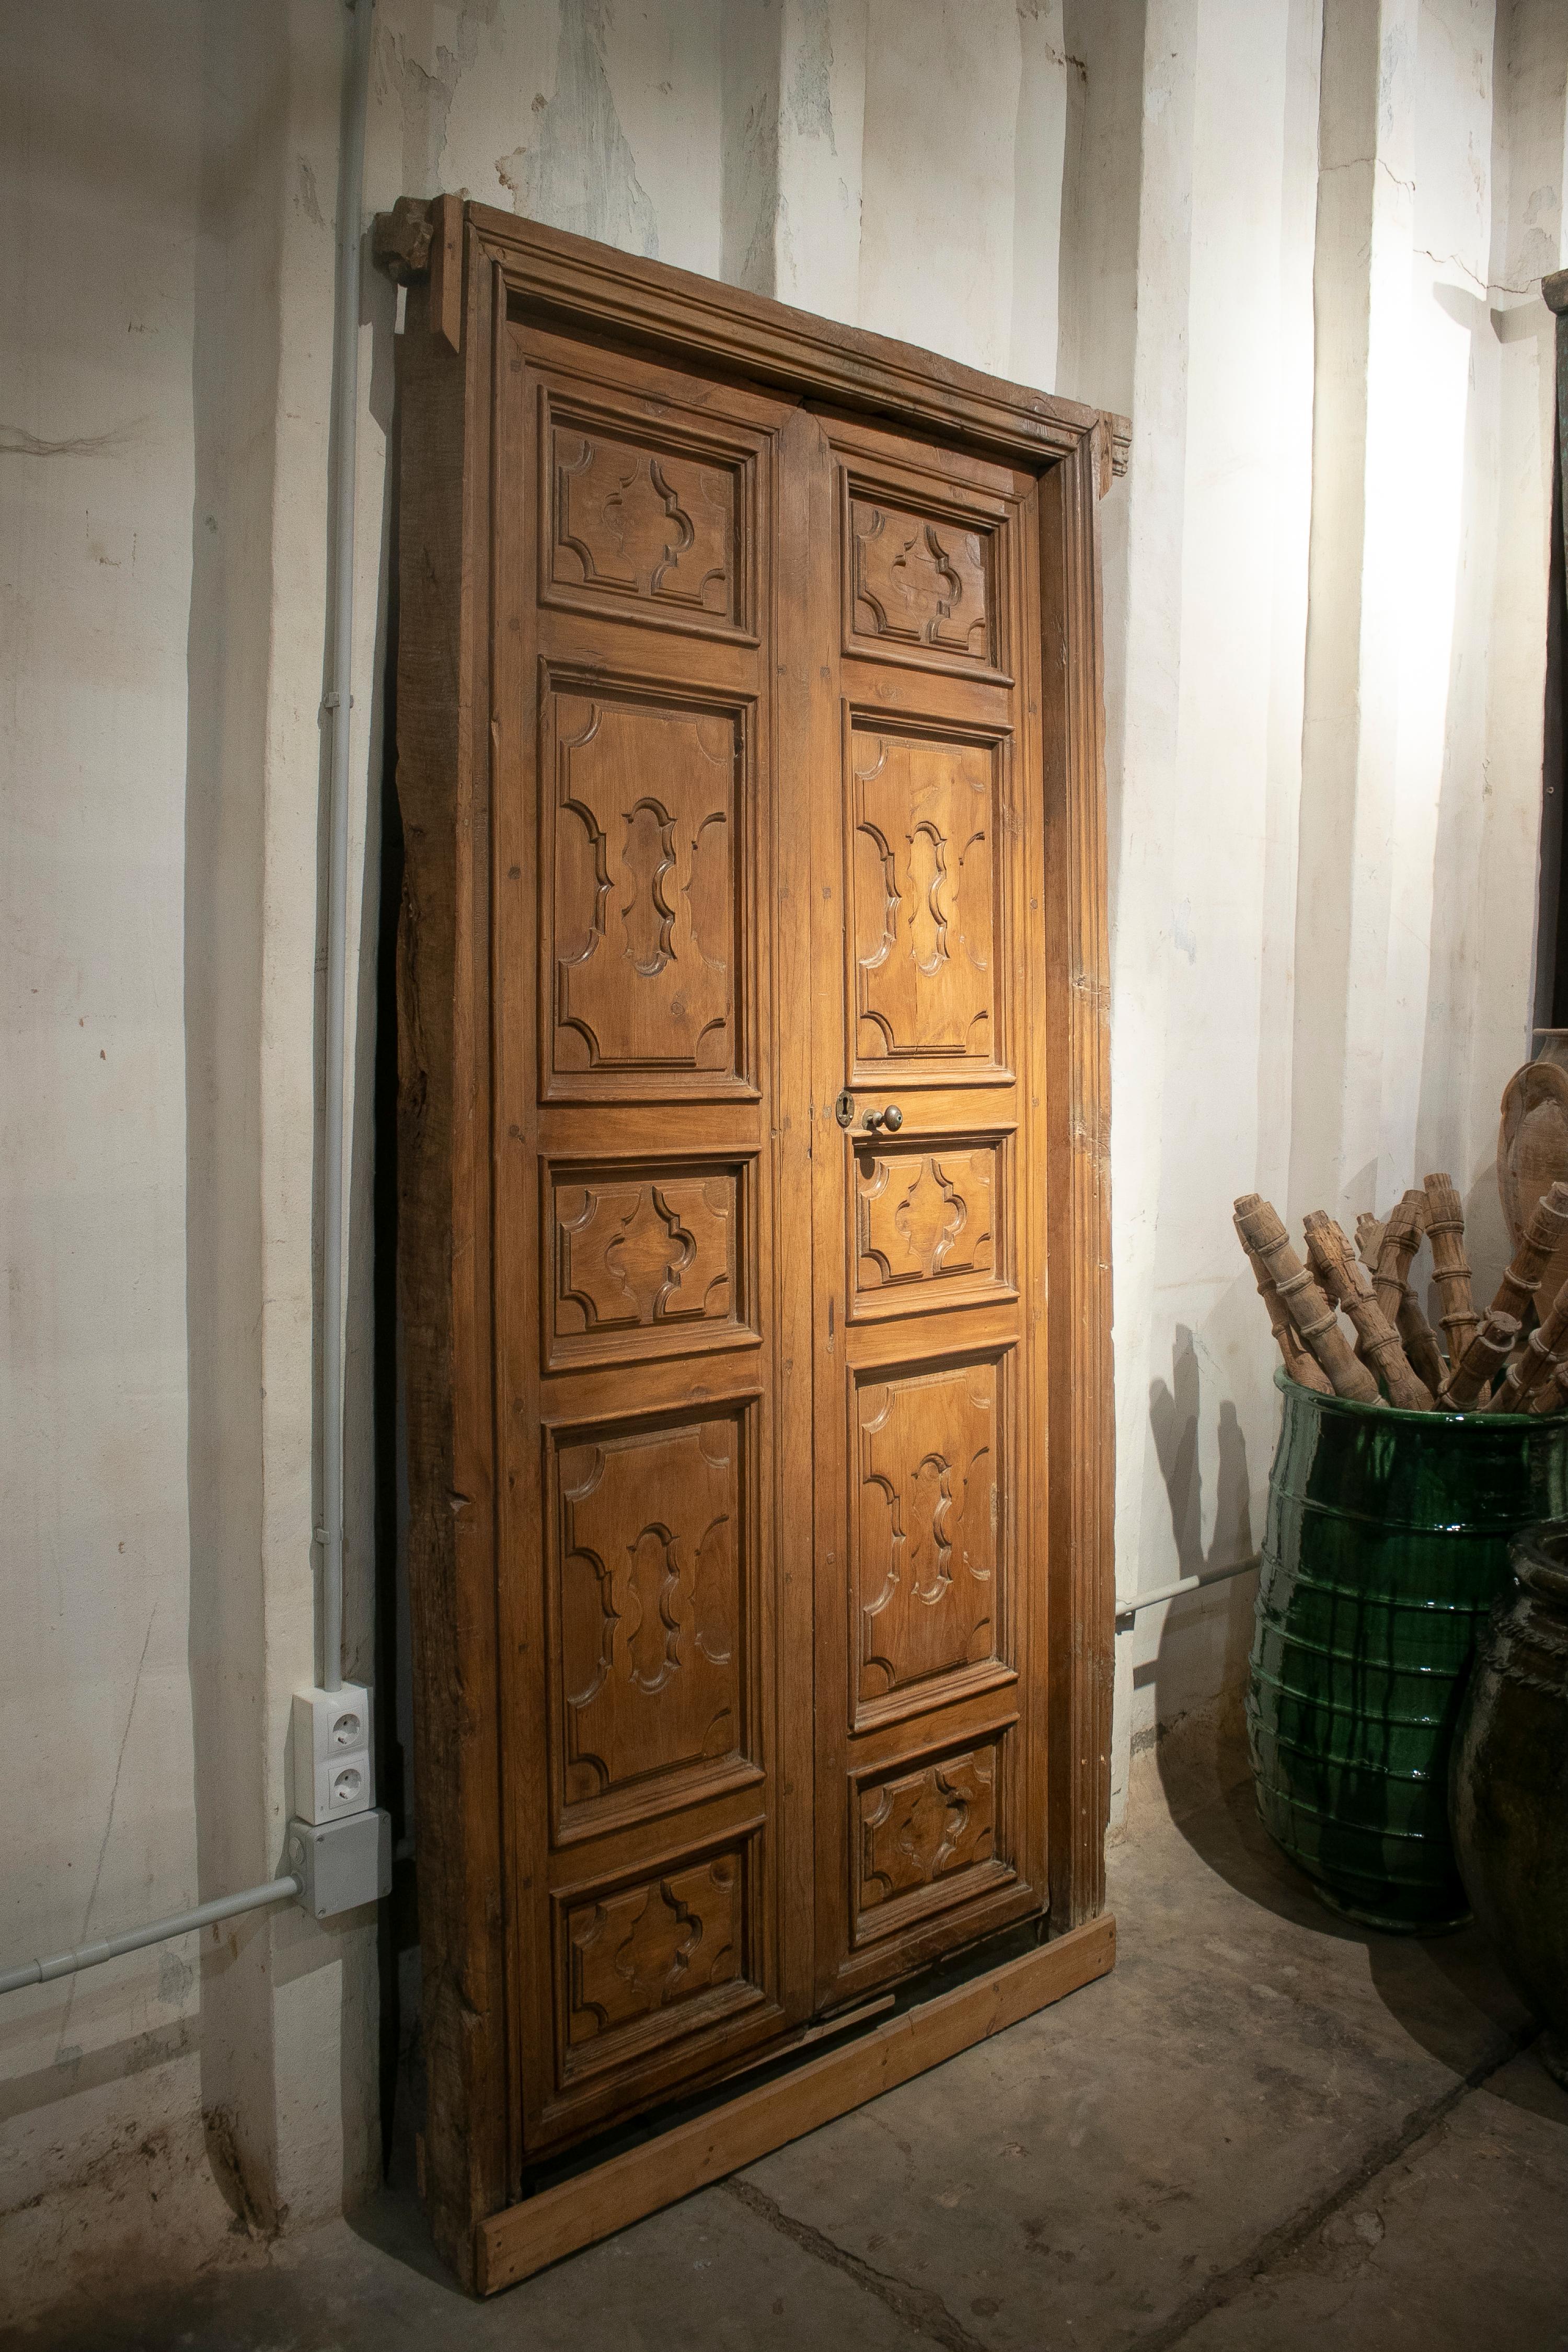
1512 1359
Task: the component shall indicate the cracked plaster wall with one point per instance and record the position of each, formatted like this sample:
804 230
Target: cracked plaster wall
1122 201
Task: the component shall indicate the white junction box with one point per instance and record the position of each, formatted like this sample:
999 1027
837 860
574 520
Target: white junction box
340 1865
332 1771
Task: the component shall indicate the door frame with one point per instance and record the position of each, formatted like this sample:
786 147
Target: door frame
467 267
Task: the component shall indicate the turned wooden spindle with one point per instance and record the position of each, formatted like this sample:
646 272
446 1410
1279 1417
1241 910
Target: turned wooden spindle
1330 1253
1308 1309
1492 1346
1446 1231
1542 1236
1401 1240
1544 1352
1303 1368
1421 1341
1548 1395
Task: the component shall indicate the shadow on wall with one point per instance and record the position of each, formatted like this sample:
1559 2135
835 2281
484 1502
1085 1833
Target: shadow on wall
1174 1420
1203 1631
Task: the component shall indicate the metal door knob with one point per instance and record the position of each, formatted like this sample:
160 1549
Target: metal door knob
893 1119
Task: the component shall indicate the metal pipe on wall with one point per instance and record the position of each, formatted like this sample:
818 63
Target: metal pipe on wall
339 703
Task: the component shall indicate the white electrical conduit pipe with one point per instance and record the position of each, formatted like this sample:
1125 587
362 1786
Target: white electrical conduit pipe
1137 1600
206 1915
339 703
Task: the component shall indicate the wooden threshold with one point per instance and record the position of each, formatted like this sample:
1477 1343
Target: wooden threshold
513 2244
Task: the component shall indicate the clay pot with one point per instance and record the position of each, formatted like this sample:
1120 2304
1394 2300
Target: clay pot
1508 1782
1387 1542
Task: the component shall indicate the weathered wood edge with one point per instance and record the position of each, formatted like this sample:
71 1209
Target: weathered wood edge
1081 1410
513 2244
443 1281
584 280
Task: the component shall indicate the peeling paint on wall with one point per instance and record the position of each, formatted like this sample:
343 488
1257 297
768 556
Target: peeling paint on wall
809 96
427 95
579 173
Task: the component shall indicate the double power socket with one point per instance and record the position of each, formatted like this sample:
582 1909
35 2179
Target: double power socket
333 1775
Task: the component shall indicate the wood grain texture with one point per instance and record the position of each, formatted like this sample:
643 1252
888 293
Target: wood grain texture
668 1322
643 1492
596 286
1401 1239
446 271
928 900
1302 1366
1310 1310
1069 1209
1545 1232
1489 1351
1450 1267
1537 1361
1334 1263
443 1160
526 2237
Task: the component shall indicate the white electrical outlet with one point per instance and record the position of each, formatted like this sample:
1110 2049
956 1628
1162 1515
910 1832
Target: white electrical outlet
333 1774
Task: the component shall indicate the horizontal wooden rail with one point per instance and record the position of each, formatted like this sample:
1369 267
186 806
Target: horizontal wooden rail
512 2244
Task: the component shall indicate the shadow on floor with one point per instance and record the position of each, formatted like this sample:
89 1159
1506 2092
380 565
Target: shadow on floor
1450 1992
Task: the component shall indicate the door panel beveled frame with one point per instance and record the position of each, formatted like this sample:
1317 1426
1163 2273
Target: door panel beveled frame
628 689
908 1701
659 1795
920 1294
691 1335
926 495
910 1069
695 437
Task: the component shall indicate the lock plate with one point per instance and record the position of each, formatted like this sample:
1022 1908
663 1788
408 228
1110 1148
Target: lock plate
844 1109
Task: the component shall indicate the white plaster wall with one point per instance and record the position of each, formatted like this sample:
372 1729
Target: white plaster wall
1208 805
1299 240
97 470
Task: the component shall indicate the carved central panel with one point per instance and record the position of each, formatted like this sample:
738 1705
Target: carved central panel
652 1621
652 1947
645 1259
923 1216
927 1825
920 582
927 1598
924 816
644 522
644 914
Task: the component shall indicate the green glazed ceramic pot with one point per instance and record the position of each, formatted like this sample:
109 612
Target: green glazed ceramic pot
1386 1543
1509 1784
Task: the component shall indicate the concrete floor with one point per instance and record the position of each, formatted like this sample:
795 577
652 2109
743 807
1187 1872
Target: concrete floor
1264 2130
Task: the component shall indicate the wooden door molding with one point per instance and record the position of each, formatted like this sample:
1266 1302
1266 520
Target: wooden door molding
550 271
475 276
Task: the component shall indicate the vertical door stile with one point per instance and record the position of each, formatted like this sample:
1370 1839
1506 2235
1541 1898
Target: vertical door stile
929 1472
805 654
644 1297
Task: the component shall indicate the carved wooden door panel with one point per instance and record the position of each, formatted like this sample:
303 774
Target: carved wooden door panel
653 1680
928 944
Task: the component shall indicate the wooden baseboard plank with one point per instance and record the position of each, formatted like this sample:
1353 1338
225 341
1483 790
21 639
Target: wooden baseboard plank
513 2244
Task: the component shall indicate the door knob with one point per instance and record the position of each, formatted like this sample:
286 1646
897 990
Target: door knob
893 1119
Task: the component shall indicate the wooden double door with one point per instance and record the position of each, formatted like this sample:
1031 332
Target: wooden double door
769 1226
753 1225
